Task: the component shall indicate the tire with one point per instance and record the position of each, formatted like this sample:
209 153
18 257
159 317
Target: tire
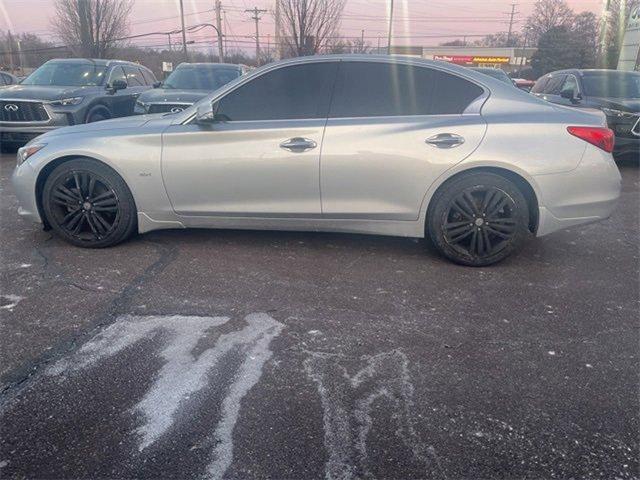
97 114
478 219
88 204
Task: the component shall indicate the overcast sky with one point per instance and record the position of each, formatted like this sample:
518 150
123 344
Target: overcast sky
417 22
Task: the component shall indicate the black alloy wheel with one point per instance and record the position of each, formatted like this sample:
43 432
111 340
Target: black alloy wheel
88 204
479 219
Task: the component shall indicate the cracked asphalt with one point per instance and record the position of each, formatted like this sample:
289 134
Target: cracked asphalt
239 354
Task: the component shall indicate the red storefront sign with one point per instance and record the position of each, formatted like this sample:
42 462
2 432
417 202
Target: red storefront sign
471 59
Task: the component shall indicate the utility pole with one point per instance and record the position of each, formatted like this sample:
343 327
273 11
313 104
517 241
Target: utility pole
390 28
278 28
256 16
10 41
512 14
219 25
170 46
362 42
184 34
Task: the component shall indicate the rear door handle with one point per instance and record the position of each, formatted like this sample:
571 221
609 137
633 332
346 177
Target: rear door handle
445 140
298 144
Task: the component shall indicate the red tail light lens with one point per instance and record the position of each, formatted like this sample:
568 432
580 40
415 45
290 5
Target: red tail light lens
601 137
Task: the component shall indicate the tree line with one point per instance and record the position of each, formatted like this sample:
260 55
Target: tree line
100 29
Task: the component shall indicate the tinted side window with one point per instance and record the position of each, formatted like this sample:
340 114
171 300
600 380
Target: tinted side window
134 77
555 85
368 89
298 91
117 74
540 84
149 77
452 94
2 80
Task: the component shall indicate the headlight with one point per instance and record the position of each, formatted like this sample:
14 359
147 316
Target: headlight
612 112
67 101
25 152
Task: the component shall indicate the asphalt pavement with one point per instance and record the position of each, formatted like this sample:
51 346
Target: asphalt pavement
245 354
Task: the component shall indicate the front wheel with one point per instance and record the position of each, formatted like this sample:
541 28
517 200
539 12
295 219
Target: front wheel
478 219
88 204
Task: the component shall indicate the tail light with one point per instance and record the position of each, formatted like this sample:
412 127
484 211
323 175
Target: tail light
601 137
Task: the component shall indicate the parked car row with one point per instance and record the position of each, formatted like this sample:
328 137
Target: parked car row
65 92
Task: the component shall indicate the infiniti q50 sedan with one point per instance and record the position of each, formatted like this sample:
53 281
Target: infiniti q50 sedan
365 144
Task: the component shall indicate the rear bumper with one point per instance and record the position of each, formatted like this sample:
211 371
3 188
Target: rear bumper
587 194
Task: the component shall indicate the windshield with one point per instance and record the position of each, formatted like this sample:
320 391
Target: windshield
612 84
67 74
200 78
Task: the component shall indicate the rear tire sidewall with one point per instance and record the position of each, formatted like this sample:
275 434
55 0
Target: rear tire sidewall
445 195
128 213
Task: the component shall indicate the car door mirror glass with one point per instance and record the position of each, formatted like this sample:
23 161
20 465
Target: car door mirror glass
568 93
118 84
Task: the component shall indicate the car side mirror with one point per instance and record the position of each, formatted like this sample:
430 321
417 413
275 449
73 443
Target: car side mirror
568 94
157 84
118 84
208 114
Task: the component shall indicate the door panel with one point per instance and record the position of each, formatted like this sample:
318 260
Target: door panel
380 168
240 169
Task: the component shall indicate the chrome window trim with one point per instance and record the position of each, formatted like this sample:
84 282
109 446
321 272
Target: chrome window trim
635 130
473 108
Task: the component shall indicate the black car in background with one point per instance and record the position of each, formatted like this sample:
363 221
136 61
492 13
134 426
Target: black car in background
616 93
65 92
187 84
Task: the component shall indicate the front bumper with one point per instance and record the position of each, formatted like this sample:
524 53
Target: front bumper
24 183
22 132
587 194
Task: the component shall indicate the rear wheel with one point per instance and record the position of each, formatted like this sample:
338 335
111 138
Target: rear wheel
478 219
88 204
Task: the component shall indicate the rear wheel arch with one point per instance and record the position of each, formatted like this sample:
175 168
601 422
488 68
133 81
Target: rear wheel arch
51 166
523 185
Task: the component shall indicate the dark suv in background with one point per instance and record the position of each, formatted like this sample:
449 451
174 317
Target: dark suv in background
69 92
616 93
187 84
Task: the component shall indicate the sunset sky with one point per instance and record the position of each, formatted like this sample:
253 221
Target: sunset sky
417 22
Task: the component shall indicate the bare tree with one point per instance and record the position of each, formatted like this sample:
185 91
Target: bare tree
549 14
308 24
91 28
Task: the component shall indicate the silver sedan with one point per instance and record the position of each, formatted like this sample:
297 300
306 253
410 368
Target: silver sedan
366 144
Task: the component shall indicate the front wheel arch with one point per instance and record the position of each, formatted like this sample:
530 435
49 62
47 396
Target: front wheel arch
523 185
50 167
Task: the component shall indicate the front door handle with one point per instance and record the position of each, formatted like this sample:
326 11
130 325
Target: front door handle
445 140
298 144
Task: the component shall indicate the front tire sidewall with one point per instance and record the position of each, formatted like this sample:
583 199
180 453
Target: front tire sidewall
445 195
128 214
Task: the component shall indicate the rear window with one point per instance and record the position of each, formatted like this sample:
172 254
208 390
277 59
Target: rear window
370 89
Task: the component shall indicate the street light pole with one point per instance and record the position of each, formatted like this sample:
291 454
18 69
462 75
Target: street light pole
184 34
390 28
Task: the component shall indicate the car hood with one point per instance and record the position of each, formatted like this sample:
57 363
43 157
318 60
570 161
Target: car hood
126 123
161 95
43 92
624 104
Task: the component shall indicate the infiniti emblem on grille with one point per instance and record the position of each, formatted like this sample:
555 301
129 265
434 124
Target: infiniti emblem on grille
11 107
176 109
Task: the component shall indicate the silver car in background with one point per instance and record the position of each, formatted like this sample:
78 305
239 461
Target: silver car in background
366 144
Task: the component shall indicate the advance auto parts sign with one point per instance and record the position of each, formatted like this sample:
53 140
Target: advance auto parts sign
471 59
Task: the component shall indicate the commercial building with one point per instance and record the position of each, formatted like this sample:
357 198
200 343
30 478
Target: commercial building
506 58
630 52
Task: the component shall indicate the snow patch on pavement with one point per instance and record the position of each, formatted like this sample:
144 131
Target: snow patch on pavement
347 402
184 374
